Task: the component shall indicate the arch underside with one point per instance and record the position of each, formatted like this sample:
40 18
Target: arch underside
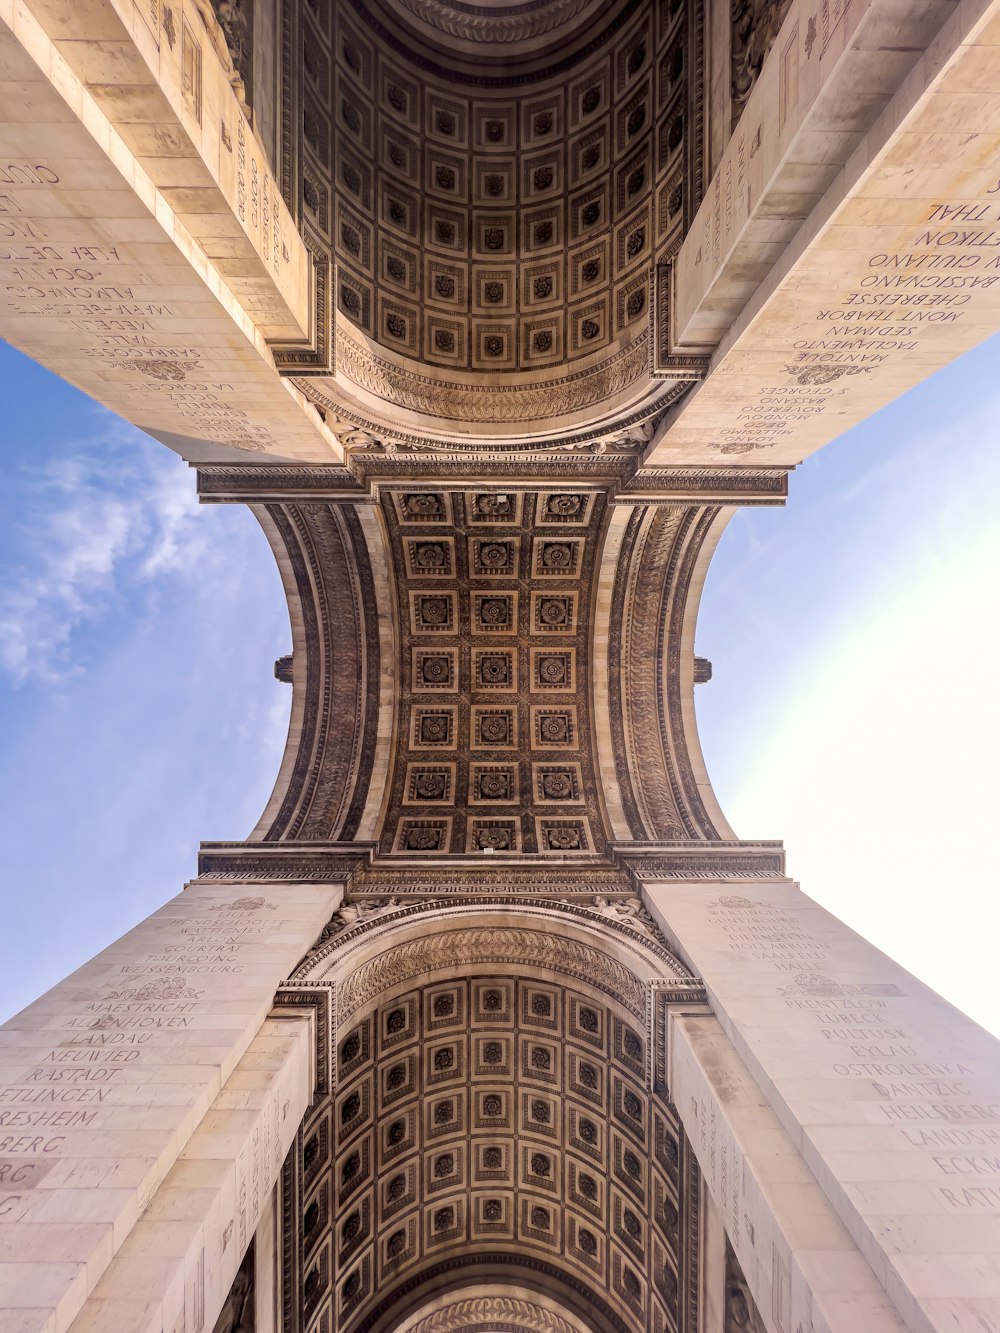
493 1307
495 1122
487 193
488 667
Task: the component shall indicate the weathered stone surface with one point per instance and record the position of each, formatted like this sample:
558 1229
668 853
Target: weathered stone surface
890 1096
106 1078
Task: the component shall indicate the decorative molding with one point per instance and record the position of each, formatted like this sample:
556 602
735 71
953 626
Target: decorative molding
508 1268
709 867
288 862
350 925
471 878
669 363
487 26
354 483
616 440
316 358
358 483
291 998
487 1314
504 77
691 1259
496 404
687 993
742 486
290 1252
498 947
279 482
474 471
700 860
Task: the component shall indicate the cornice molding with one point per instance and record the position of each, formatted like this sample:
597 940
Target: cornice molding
282 862
358 482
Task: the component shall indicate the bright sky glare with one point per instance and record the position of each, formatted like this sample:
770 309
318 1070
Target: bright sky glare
853 710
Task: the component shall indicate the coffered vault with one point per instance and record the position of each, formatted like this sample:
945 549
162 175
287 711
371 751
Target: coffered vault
492 1128
490 189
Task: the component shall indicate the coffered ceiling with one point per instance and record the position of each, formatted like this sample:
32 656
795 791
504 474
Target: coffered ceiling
494 750
487 191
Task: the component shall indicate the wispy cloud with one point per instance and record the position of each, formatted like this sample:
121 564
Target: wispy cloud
116 515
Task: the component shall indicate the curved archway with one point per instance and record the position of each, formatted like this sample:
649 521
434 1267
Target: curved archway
494 1118
488 191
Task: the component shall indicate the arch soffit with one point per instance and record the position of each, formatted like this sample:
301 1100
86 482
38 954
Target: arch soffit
402 1059
648 592
333 568
597 156
336 566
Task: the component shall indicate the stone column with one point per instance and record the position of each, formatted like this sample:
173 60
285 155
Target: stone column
179 1261
105 1079
890 1097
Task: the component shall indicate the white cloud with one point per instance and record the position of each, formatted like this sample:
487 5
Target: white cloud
178 544
117 513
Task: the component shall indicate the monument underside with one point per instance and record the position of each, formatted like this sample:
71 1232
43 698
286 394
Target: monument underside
495 315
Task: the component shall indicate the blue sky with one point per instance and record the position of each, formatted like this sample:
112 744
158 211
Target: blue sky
138 633
853 709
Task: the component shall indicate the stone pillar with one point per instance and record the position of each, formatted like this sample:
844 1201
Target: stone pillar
105 1080
713 1266
888 1095
801 1265
177 1266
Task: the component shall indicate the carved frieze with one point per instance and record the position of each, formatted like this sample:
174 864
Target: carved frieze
239 1313
486 1314
740 1313
754 29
